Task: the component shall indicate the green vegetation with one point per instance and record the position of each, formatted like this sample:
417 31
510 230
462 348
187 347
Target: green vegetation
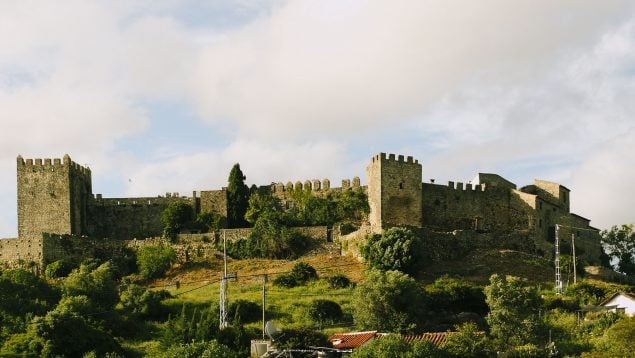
175 217
300 275
153 261
395 249
57 269
94 312
389 301
237 198
620 245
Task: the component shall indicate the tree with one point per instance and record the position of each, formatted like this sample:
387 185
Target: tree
324 311
395 249
389 301
175 217
140 301
154 261
456 296
618 339
394 346
96 284
245 311
467 341
22 292
209 222
260 205
619 243
513 316
237 198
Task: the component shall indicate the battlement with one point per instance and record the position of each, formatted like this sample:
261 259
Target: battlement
314 185
468 187
394 158
48 164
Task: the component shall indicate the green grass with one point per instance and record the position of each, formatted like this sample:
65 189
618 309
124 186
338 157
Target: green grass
284 305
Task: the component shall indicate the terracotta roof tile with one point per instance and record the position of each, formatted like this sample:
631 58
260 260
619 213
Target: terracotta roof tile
437 338
351 339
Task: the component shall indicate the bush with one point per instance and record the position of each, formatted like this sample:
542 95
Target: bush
57 269
338 281
304 272
395 249
285 280
300 338
322 311
300 274
246 311
138 300
97 284
154 261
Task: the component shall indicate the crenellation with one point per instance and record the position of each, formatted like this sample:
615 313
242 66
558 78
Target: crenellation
60 202
326 184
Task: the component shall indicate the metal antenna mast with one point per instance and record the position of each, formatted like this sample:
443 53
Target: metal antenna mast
223 288
557 264
573 254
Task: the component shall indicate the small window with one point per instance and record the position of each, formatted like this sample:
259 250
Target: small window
401 185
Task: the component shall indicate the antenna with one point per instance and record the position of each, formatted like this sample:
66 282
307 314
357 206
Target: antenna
573 254
272 331
223 288
557 264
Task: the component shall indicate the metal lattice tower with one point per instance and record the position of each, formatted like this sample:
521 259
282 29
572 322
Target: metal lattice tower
223 289
557 264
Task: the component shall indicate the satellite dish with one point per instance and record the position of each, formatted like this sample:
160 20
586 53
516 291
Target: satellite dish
272 330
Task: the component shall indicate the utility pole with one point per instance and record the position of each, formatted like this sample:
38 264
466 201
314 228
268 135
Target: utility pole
557 264
264 303
223 288
573 254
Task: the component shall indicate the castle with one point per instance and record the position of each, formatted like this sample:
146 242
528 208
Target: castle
55 199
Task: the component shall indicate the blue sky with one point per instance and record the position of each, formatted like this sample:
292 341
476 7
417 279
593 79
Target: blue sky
164 96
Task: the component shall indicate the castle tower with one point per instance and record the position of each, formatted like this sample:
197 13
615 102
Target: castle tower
52 197
394 191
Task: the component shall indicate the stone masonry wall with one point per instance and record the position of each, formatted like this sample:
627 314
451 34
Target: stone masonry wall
128 218
394 191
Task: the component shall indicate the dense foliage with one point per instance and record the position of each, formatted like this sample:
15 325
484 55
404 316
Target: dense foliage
389 301
324 311
513 316
395 346
237 198
300 274
619 243
175 217
338 281
395 249
154 261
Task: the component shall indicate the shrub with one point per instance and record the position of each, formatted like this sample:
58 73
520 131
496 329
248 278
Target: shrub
300 274
246 311
154 261
395 249
138 300
304 272
97 284
338 281
57 269
285 280
322 311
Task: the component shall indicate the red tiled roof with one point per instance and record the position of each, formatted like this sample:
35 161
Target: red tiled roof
437 338
351 339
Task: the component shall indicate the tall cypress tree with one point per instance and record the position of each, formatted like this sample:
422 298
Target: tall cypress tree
237 198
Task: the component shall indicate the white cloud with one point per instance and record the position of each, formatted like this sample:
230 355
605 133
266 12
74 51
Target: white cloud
492 83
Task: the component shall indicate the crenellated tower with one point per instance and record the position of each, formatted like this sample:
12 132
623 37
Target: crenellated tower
394 191
52 197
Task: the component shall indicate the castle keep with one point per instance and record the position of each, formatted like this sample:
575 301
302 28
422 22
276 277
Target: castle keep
55 199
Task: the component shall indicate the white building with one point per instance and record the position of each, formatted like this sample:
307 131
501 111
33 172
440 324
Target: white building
621 302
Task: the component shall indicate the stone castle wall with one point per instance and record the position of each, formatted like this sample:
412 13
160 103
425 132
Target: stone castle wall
394 191
55 196
128 218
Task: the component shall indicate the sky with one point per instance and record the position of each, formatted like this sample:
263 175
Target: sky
165 96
